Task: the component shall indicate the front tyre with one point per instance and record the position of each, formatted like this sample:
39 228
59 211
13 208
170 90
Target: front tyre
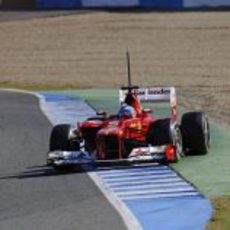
163 132
59 139
195 133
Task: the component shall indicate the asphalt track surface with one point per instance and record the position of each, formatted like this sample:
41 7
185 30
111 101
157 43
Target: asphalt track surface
33 196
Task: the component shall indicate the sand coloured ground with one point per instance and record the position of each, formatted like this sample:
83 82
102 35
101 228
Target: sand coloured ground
189 50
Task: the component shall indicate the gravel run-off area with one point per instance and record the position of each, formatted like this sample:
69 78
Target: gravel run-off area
81 49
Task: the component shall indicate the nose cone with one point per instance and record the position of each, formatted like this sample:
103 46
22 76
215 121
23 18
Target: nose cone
110 131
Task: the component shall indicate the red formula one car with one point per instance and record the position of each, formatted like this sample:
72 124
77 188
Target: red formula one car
134 137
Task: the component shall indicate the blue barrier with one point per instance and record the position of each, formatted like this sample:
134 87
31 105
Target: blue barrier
169 4
59 4
205 3
166 4
110 3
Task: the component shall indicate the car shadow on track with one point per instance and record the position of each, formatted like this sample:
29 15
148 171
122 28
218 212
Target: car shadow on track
38 171
41 171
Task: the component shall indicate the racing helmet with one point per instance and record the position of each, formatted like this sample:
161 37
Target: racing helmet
126 111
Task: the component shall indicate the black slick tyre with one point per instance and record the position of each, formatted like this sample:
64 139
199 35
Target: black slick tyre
59 139
195 133
163 132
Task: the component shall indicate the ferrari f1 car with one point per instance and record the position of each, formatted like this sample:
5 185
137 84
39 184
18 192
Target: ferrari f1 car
138 138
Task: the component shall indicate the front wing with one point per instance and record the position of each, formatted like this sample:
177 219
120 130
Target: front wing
138 155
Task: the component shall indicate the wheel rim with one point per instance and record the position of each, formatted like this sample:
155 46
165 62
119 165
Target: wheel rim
206 133
178 143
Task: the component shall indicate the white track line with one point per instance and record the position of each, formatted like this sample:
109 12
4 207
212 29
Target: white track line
42 103
130 220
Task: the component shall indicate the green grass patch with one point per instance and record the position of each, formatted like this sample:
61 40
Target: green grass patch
211 172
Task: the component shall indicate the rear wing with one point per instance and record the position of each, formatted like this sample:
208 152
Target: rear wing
153 95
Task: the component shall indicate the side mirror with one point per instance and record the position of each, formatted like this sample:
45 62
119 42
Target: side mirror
102 113
147 111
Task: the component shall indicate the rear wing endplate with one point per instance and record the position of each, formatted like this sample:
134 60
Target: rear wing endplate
153 95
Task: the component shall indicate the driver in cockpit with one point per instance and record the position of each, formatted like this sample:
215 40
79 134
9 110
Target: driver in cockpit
127 109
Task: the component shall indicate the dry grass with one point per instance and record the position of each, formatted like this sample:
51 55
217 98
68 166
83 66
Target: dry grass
220 219
189 50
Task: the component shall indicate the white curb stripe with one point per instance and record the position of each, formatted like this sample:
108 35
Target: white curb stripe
130 220
108 171
132 174
137 187
137 182
156 191
139 178
157 196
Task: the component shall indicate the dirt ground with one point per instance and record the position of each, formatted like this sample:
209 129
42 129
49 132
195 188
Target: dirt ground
189 50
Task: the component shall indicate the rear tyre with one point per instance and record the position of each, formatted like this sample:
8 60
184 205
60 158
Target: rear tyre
59 139
195 133
163 132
